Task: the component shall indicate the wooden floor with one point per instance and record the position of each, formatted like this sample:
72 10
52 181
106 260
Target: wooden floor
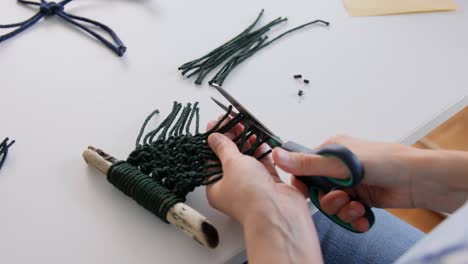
453 134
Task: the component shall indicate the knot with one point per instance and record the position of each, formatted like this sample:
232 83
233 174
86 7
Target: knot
51 8
47 9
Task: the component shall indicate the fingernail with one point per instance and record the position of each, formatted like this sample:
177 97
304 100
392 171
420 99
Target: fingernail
339 202
283 155
214 139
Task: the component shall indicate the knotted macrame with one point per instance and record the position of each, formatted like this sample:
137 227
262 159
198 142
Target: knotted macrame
4 146
57 9
170 161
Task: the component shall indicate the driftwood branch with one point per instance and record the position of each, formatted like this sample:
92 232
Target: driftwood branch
181 215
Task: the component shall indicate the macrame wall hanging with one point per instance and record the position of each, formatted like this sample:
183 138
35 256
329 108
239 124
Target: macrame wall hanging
57 9
4 146
236 51
169 162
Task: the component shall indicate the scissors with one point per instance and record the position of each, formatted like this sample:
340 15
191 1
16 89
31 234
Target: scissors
315 183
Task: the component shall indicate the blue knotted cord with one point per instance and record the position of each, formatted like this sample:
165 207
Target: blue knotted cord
51 9
4 146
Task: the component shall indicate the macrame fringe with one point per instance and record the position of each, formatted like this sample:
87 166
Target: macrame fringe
174 158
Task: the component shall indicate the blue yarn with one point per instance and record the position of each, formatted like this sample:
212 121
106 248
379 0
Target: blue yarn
51 9
4 146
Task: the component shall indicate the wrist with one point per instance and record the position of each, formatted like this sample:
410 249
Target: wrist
414 162
439 179
287 228
274 204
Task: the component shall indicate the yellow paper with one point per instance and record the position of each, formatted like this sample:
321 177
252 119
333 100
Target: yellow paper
391 7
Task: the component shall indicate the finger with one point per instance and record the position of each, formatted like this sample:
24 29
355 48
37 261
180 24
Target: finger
267 161
361 224
351 212
223 147
232 133
300 186
337 139
215 122
261 151
333 201
310 164
213 193
235 131
210 125
248 143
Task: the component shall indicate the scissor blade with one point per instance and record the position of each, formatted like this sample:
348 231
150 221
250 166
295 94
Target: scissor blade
225 108
230 99
250 117
233 114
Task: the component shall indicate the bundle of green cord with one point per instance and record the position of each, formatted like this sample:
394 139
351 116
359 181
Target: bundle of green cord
4 146
169 161
236 51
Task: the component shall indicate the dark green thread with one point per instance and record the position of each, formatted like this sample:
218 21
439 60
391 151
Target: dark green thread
144 190
169 161
4 147
236 51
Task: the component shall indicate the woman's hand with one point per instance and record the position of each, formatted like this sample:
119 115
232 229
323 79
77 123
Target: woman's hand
275 217
395 176
248 185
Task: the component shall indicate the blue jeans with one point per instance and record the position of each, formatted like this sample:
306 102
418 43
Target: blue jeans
388 239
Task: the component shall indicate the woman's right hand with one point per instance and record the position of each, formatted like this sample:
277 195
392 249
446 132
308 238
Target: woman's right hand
396 176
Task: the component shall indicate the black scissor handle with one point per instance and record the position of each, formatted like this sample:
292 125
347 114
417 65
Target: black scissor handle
326 184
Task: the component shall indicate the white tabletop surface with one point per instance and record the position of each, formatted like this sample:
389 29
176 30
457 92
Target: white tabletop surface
373 77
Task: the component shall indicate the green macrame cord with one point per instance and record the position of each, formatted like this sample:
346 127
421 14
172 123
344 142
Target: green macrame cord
169 161
232 53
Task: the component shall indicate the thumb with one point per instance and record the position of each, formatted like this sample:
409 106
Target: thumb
301 164
222 146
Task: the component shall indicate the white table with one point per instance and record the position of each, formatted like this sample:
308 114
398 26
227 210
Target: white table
375 77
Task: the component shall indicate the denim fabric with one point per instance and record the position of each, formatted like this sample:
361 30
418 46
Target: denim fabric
388 239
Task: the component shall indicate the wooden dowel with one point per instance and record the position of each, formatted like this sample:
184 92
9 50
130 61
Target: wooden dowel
181 215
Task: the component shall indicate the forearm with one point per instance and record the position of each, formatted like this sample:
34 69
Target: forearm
281 233
439 179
